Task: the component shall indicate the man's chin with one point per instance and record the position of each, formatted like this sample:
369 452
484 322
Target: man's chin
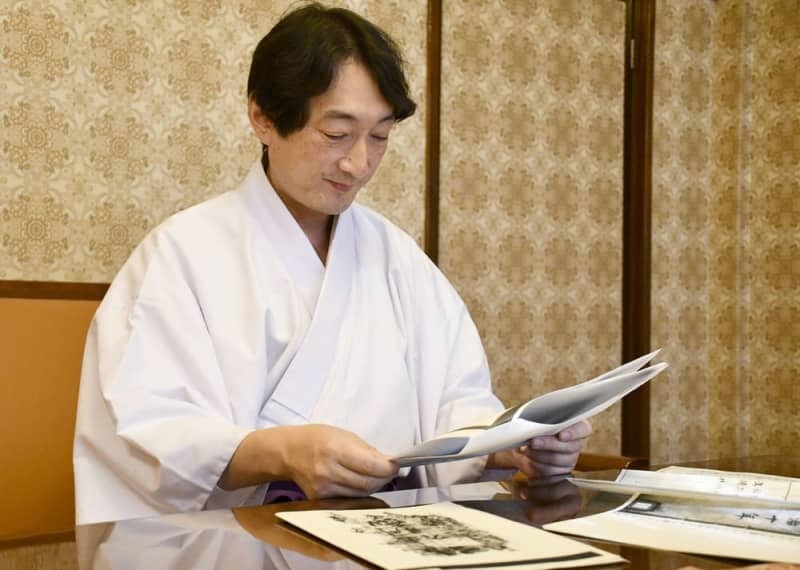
336 207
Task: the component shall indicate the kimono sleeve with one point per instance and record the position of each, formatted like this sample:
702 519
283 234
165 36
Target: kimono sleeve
155 428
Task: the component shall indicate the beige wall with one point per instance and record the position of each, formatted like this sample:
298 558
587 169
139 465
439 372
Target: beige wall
115 115
531 189
726 166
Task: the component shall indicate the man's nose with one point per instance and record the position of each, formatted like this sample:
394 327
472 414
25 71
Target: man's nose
356 161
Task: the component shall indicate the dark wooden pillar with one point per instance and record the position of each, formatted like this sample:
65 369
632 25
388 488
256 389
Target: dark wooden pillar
433 90
637 191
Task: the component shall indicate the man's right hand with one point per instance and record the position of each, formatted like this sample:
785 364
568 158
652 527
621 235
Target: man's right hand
324 461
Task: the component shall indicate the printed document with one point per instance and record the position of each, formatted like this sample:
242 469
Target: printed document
546 415
444 535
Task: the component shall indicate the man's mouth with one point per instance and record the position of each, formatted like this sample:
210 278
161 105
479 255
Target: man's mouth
340 186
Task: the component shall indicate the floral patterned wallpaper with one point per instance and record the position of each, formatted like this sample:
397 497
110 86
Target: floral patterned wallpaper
531 189
726 166
116 114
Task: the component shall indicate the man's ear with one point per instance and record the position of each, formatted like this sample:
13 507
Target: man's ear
262 126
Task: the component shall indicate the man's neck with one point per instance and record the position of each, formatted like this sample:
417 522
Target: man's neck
320 238
317 226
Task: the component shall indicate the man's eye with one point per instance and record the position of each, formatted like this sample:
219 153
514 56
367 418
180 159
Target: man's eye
335 136
381 138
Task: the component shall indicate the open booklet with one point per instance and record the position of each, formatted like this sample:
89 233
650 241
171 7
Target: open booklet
545 415
751 516
704 484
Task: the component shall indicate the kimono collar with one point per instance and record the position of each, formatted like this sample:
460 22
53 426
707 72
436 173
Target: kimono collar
287 237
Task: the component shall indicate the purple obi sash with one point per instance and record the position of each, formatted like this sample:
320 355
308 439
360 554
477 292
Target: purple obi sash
285 491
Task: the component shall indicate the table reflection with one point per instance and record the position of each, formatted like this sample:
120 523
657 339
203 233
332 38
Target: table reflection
254 537
201 541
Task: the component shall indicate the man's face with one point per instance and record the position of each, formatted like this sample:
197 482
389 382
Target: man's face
319 169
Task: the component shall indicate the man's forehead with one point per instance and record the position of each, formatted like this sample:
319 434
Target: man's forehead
352 96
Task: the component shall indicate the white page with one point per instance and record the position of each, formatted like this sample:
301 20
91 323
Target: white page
707 484
546 415
677 534
773 486
443 535
634 364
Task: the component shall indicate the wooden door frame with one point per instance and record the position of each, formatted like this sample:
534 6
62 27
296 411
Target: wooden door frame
636 215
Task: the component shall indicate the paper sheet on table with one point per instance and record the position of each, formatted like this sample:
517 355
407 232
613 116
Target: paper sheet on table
545 415
712 485
444 535
668 526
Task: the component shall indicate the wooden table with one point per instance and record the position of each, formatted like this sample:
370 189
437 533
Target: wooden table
254 538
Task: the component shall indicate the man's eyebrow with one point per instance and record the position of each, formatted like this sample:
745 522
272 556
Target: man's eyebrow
333 114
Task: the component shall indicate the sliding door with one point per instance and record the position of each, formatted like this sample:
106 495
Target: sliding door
531 187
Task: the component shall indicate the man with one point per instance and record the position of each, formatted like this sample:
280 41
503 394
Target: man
279 333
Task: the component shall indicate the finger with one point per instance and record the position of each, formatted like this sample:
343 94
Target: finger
566 460
548 463
550 443
550 469
533 467
370 465
562 461
360 481
555 459
341 485
366 460
576 432
349 484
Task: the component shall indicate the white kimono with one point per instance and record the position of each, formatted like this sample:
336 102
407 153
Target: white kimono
224 321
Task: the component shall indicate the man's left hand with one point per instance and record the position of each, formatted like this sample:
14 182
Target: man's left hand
545 456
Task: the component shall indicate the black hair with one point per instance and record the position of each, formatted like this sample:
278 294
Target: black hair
299 57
